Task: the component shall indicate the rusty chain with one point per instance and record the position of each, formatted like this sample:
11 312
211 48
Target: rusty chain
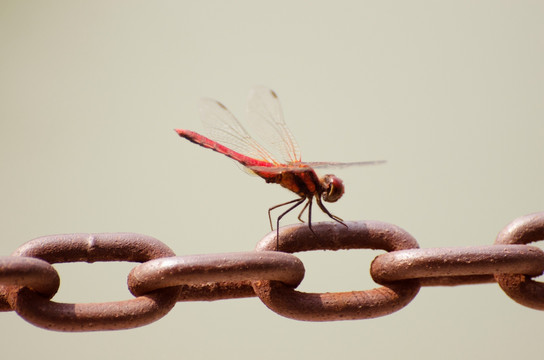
28 281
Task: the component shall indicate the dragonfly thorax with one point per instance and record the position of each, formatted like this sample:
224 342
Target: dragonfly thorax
333 187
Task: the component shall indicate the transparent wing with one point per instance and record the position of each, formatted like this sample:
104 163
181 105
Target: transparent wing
305 166
222 127
340 165
266 117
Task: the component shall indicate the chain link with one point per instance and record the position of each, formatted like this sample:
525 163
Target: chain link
40 311
290 303
271 272
518 285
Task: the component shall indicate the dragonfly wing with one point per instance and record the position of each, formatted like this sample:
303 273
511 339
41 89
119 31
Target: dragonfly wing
266 116
222 127
309 166
340 165
281 168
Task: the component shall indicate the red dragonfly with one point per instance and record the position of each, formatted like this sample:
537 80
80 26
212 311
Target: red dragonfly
232 140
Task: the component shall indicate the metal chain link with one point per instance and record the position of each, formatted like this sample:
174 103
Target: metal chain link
28 281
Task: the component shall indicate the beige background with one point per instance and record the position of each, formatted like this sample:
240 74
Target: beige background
450 93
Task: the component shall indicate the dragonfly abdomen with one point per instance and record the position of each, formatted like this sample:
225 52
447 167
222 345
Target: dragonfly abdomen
217 147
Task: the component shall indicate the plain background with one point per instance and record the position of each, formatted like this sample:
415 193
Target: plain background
449 93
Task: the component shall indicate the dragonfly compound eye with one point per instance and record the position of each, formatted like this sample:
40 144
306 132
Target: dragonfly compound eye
334 188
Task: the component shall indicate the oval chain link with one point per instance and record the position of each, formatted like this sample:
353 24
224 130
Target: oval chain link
219 274
290 303
520 287
42 312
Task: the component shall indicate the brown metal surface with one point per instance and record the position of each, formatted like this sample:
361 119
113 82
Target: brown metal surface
115 315
216 291
47 314
28 281
32 273
89 248
465 263
520 287
216 272
342 305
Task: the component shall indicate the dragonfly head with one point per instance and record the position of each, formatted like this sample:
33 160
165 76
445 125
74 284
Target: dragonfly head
333 186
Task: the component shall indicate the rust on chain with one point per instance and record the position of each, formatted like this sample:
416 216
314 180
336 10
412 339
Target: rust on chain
94 247
28 281
215 276
457 266
290 303
520 287
35 274
216 291
42 312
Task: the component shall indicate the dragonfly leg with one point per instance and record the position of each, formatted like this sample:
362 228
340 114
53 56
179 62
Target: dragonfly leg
309 206
324 209
280 205
304 208
310 216
297 203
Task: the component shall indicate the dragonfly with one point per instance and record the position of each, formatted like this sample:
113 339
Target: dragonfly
274 156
